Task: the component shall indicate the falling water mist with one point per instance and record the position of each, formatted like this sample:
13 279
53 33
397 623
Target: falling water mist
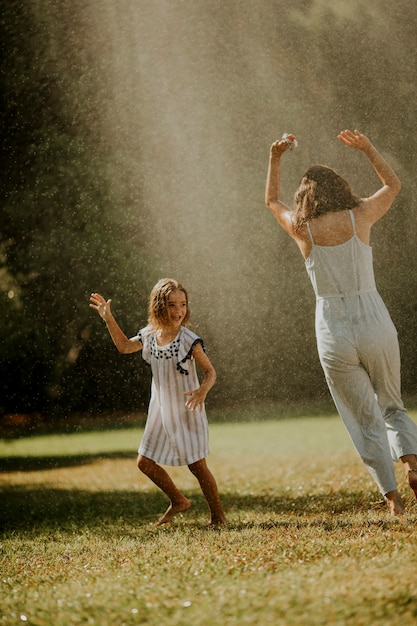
193 96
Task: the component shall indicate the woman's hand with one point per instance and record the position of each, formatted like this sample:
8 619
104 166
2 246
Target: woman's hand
355 140
375 206
102 306
279 147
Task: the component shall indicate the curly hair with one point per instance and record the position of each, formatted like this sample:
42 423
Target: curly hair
158 302
321 190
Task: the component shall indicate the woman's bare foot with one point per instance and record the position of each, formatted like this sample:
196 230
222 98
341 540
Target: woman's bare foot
410 469
412 480
173 510
395 503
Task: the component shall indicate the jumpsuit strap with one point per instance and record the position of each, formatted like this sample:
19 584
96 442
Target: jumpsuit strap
310 233
352 219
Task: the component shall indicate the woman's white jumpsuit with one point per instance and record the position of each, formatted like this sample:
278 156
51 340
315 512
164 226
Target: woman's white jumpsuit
358 349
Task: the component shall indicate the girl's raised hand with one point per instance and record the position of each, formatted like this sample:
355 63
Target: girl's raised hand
354 140
102 306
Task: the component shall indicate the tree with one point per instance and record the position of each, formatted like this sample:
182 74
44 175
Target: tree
59 238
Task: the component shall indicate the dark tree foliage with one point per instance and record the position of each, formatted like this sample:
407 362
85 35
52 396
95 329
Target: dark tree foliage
58 238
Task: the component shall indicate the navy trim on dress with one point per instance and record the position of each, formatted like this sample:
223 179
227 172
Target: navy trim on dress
189 355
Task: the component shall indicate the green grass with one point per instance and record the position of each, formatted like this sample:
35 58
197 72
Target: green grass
308 542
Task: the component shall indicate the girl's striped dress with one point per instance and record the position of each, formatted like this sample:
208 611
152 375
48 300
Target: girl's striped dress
173 435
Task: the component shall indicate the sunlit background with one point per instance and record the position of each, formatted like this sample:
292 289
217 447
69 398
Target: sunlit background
136 136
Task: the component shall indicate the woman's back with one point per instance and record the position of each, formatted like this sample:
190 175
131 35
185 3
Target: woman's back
335 228
339 262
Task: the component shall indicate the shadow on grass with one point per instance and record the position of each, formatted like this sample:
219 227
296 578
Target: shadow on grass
35 509
37 464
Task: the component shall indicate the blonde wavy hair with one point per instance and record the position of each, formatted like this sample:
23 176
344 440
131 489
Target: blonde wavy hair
158 302
321 190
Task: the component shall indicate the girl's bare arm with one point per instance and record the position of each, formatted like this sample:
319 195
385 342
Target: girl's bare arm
122 343
195 399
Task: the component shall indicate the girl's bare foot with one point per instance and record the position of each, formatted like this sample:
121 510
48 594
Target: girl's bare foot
216 522
395 503
173 510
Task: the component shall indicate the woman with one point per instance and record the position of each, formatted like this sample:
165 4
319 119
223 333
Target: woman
356 339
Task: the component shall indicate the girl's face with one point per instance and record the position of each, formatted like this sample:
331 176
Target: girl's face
176 308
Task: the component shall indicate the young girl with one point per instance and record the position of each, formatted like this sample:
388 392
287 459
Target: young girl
356 339
176 431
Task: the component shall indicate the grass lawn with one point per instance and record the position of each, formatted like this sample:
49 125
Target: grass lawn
308 542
